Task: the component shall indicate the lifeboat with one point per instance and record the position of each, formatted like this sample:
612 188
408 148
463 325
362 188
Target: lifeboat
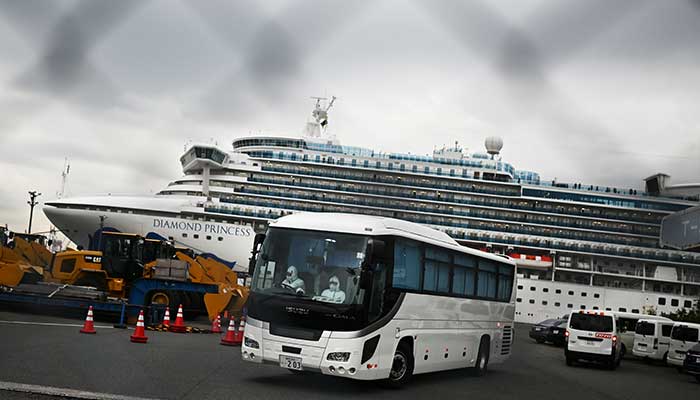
531 261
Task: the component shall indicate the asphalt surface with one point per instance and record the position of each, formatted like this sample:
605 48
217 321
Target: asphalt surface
195 366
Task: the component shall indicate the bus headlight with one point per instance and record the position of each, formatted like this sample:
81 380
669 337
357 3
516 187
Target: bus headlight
253 344
339 357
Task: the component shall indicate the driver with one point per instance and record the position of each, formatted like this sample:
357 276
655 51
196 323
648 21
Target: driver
293 282
333 293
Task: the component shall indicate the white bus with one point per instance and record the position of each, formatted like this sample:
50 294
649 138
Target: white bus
375 298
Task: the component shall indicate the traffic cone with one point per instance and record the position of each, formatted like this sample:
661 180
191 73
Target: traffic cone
88 327
166 318
230 338
241 331
139 335
216 325
179 325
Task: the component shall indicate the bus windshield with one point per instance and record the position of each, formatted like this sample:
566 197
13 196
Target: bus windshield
315 265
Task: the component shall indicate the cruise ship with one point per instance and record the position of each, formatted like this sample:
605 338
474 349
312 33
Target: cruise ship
577 246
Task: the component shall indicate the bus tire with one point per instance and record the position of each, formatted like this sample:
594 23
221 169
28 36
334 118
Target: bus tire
482 358
401 367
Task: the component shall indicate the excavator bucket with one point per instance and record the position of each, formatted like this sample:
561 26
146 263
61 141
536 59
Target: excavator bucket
13 270
10 274
231 300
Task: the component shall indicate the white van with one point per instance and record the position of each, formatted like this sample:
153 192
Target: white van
626 326
593 336
684 335
652 338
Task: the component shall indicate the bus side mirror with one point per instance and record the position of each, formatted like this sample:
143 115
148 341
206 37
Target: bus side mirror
257 243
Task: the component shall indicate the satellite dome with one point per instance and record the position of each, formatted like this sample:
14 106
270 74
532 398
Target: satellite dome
493 144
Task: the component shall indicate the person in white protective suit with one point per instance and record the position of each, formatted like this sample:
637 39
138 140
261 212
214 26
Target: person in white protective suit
333 294
293 282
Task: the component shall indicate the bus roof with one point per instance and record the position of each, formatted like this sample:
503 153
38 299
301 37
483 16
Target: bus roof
375 226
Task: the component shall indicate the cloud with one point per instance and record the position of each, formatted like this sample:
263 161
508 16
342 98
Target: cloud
600 92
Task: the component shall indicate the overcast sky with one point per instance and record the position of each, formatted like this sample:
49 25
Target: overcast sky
599 92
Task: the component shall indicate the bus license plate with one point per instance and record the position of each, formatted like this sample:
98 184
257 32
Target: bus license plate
290 362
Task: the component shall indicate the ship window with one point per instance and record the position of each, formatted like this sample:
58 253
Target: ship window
571 292
414 168
662 301
674 302
622 309
558 291
532 301
196 236
378 164
557 304
596 295
366 163
635 311
354 162
544 302
570 305
427 170
687 304
220 239
519 300
520 287
608 309
546 290
532 288
584 294
208 237
184 235
595 307
583 307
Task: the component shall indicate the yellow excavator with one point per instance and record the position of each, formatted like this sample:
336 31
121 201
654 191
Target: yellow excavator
123 258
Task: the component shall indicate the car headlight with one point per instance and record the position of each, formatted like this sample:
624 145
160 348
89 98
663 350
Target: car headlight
339 357
253 344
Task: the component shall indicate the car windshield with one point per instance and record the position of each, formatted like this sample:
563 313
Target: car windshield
644 328
685 333
591 322
321 266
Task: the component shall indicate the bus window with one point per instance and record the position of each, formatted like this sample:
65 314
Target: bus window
487 279
505 282
407 269
464 272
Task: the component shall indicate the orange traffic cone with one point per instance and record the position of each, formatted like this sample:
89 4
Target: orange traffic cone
139 335
216 325
88 327
179 325
241 329
230 338
166 318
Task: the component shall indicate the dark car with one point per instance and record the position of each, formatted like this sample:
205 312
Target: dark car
691 364
550 330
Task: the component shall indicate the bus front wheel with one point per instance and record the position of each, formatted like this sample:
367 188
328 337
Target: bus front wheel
401 366
482 359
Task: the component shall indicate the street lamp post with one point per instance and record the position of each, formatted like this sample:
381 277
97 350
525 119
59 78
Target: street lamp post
32 202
